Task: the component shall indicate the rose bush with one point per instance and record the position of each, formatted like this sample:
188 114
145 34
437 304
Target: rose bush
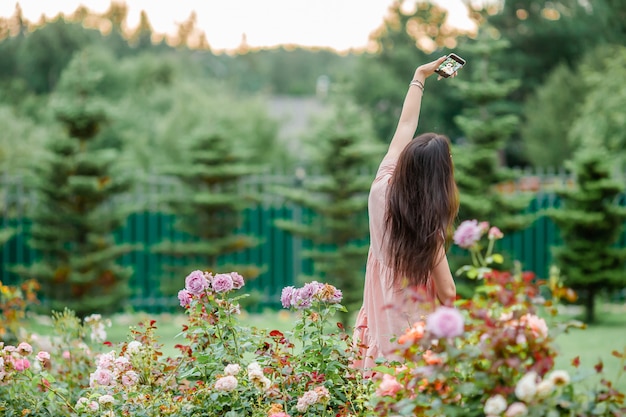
224 369
492 355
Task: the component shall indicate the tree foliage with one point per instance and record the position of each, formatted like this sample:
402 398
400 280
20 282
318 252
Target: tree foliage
590 221
344 145
486 123
406 40
76 211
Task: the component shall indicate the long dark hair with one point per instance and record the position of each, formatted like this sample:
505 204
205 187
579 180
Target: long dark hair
423 202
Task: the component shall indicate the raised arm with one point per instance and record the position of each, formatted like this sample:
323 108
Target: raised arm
409 116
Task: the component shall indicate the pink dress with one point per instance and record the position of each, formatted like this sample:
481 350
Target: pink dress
387 311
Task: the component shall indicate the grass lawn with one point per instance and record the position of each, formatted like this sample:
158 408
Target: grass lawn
595 343
592 344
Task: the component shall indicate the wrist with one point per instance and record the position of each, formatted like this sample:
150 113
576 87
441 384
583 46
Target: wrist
419 75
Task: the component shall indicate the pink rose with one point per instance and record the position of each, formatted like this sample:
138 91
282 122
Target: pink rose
196 282
445 322
20 364
279 415
66 354
286 296
388 387
24 348
43 356
130 378
495 233
467 234
238 280
222 283
184 297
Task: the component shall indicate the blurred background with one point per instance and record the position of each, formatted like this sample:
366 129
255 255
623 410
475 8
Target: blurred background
142 140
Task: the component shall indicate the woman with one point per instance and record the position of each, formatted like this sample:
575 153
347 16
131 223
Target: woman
412 205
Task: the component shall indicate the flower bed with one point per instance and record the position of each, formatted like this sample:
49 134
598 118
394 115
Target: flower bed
490 355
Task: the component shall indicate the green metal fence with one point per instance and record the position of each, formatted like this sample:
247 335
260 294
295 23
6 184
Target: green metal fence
279 253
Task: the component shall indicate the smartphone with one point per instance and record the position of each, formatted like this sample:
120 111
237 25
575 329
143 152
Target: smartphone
452 64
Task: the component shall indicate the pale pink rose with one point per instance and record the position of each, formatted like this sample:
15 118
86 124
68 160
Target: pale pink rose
24 349
222 283
445 322
226 383
1 363
43 356
130 378
467 234
102 377
106 399
81 404
184 298
10 349
106 360
308 399
322 394
20 364
66 354
232 369
238 280
536 324
93 406
517 409
495 233
279 415
196 282
122 364
388 387
484 226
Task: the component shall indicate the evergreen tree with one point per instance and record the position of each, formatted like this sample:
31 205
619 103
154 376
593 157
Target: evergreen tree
76 211
338 231
590 221
209 207
487 123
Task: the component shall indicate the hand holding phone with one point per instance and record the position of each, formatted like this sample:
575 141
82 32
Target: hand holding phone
450 65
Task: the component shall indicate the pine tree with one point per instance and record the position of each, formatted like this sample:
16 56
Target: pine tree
486 124
338 230
76 210
209 207
590 222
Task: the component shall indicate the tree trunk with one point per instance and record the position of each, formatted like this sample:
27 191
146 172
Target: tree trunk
590 305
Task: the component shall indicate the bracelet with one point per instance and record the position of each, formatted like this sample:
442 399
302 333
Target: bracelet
417 83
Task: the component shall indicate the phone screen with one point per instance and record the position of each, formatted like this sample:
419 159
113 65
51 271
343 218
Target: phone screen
449 66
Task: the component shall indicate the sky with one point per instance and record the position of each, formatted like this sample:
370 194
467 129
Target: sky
338 24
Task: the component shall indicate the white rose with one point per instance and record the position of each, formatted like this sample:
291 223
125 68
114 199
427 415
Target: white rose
495 405
559 378
133 347
545 388
527 387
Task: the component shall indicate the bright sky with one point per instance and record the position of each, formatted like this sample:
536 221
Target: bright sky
340 24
